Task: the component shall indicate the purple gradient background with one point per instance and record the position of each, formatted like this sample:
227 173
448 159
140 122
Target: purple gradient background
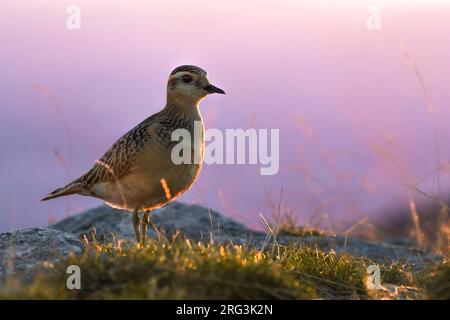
344 98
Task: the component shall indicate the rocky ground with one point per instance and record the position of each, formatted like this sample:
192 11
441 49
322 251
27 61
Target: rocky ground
26 250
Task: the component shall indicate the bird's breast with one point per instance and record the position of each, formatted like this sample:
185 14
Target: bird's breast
157 177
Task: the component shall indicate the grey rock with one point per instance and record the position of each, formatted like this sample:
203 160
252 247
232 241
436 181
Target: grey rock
104 221
193 221
23 251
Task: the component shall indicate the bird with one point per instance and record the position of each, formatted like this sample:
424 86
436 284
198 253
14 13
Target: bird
137 173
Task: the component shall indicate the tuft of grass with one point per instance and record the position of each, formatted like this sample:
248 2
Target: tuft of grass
333 276
436 282
178 269
287 225
299 231
396 273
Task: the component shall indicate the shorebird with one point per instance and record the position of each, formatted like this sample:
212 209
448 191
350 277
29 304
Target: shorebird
137 173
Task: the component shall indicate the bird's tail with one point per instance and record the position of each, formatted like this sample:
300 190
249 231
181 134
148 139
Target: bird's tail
71 188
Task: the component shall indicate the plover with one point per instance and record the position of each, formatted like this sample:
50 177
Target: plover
137 173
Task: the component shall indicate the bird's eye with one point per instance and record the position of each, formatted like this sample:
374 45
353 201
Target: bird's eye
186 78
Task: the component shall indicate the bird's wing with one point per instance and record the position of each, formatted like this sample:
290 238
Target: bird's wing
119 160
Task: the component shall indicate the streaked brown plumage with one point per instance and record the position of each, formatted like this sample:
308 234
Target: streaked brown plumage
137 172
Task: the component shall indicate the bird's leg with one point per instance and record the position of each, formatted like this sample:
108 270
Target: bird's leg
144 224
136 223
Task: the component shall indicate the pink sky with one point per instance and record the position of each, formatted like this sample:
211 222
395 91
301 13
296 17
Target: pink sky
342 96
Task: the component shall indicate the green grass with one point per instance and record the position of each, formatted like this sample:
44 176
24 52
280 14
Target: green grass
332 275
436 281
299 231
288 225
396 273
179 269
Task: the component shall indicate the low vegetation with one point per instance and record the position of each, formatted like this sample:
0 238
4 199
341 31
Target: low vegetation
180 269
436 281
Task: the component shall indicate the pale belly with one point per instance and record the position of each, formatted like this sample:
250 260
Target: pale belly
151 185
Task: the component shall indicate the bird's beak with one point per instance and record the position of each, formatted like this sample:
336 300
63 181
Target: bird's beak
213 89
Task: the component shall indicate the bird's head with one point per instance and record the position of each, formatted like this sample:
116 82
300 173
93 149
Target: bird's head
188 85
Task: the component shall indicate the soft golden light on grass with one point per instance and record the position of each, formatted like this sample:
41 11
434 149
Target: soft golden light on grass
166 189
432 113
176 269
415 217
222 251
